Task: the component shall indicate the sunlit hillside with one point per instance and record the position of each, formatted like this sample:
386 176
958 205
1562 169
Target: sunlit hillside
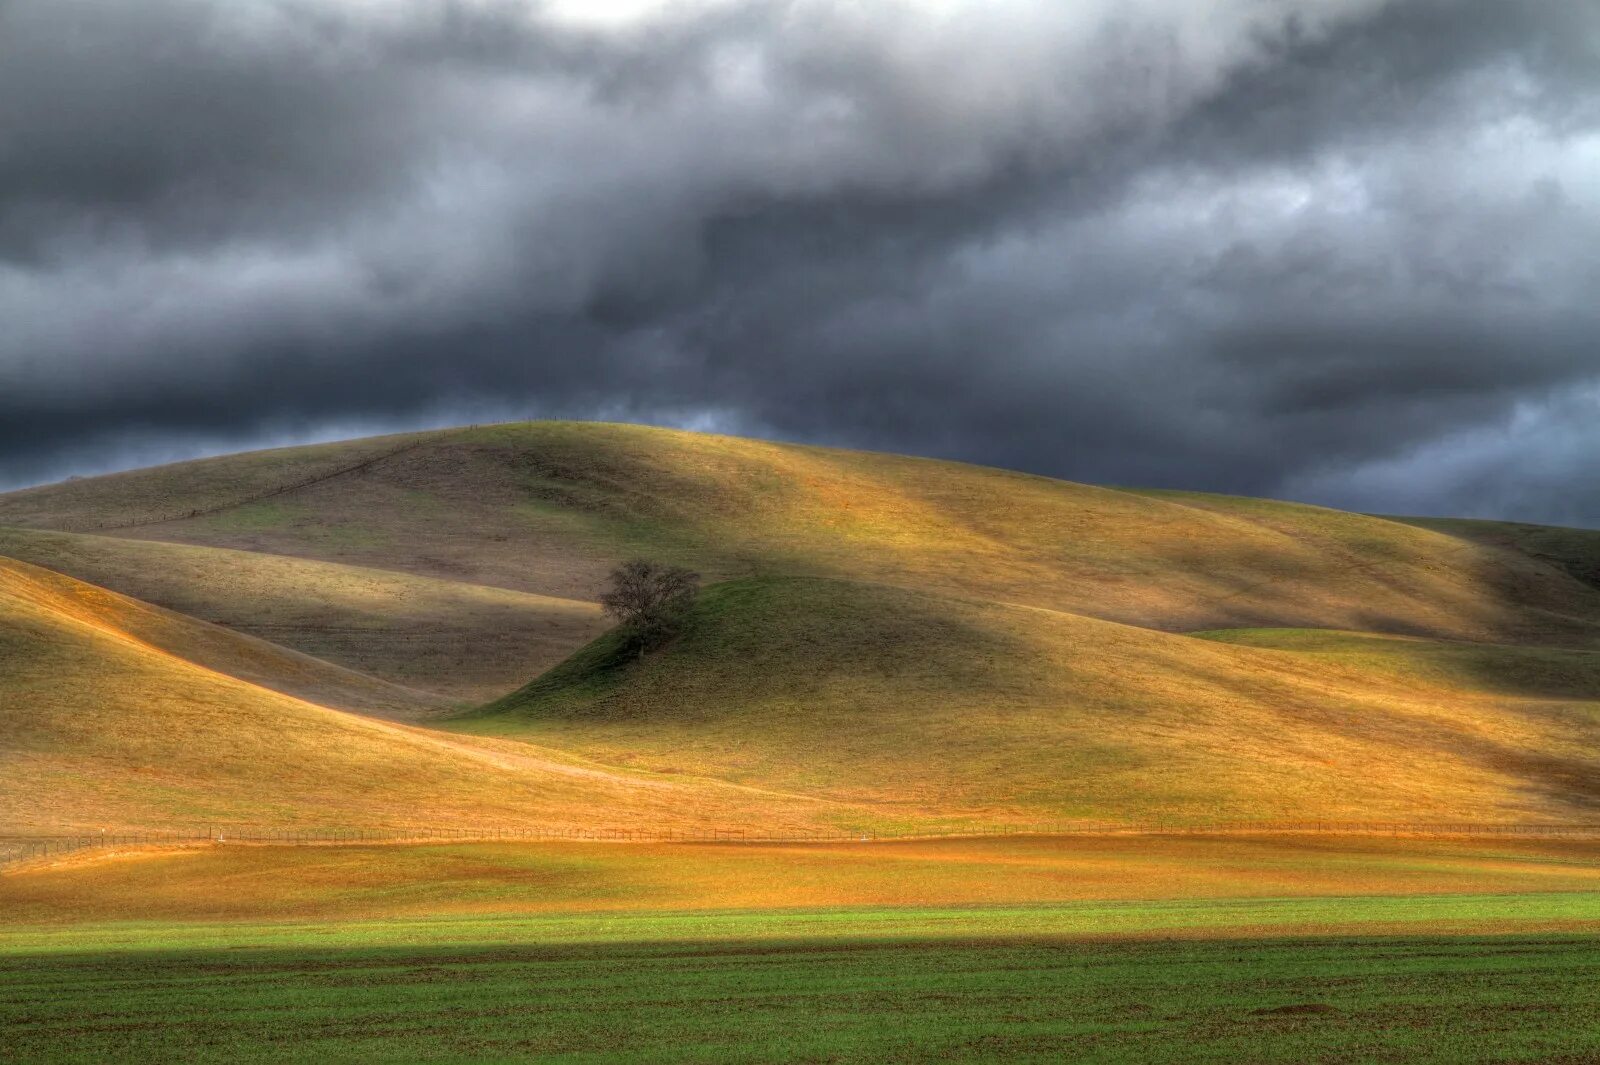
118 715
883 640
549 507
922 702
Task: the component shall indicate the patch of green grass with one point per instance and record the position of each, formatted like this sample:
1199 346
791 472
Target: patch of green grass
255 517
281 516
596 669
876 985
788 624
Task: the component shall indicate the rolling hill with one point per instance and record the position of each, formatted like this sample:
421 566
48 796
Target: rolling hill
453 642
884 640
547 508
118 715
919 701
1573 551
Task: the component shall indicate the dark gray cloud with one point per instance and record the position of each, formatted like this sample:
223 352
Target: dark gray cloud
1340 250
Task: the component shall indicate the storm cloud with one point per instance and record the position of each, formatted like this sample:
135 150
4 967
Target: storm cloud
1335 250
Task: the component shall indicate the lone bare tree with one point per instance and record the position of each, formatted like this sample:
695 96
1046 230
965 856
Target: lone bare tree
649 600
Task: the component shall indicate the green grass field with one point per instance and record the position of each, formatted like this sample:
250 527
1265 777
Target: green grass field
1114 949
1106 982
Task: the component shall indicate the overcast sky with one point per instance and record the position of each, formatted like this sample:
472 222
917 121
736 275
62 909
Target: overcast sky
1345 251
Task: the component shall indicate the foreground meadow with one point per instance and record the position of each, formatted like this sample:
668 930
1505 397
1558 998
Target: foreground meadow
934 993
1116 949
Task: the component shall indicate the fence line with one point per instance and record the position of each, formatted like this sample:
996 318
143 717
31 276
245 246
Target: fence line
18 848
269 493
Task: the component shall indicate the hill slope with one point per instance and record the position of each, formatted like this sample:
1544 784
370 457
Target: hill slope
118 715
452 641
549 507
929 703
894 641
1573 551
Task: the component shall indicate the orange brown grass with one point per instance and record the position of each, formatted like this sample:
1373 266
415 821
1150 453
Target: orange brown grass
119 715
548 507
365 882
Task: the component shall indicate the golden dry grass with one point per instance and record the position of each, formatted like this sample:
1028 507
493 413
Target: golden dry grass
1573 551
903 642
548 507
924 705
162 493
458 641
118 715
247 882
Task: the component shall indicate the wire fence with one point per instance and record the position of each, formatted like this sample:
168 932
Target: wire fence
257 497
22 848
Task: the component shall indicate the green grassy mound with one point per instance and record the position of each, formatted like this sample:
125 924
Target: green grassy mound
925 703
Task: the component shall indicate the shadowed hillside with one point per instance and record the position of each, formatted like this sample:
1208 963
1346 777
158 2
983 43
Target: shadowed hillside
926 702
1574 551
893 641
116 714
549 507
453 641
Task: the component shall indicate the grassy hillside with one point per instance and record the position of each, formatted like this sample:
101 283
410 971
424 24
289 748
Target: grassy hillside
893 639
1556 675
44 611
918 703
549 507
123 501
458 641
1574 551
117 715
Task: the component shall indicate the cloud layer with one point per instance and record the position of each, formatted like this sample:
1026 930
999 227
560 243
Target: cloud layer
1339 250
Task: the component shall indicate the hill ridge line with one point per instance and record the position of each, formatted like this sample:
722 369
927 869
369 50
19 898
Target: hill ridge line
203 548
1458 547
418 441
110 630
